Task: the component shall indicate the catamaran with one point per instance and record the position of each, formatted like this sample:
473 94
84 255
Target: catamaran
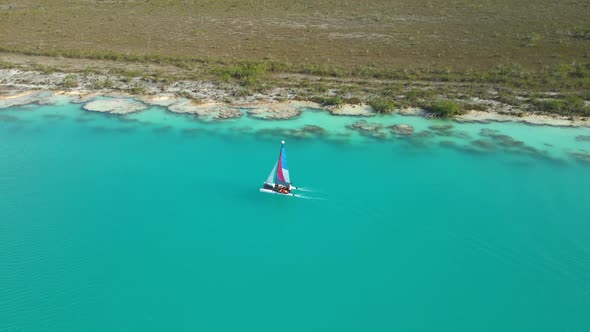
278 181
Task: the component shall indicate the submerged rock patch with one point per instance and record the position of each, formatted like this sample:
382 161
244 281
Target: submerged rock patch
582 156
54 116
314 130
191 131
446 127
448 144
307 131
500 138
425 134
162 129
363 125
8 118
402 129
472 148
509 144
368 129
483 144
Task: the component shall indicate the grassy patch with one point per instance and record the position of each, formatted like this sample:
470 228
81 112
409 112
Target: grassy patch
569 105
6 65
318 36
247 74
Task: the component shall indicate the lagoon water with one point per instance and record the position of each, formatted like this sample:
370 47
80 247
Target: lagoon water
153 222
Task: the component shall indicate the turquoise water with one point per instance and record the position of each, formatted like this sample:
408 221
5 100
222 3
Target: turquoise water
153 222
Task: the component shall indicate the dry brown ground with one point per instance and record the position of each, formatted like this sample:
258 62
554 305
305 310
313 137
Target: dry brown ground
385 33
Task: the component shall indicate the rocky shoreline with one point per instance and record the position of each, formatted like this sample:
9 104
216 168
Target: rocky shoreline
367 125
206 100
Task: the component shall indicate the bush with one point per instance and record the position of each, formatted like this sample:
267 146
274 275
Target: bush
473 107
419 94
353 101
443 108
70 82
136 90
415 96
381 105
328 101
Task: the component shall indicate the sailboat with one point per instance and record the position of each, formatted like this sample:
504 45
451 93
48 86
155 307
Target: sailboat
278 181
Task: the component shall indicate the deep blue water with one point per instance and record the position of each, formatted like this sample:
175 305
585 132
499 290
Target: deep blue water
154 222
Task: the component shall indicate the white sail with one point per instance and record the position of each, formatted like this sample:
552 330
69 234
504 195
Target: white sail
271 176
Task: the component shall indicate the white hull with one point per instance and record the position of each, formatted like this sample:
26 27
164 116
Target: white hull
268 191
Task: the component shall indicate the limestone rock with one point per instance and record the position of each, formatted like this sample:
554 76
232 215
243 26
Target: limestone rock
114 106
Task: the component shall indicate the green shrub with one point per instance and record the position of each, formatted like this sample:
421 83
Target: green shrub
443 108
70 82
415 95
353 101
319 87
466 106
136 90
381 105
328 101
104 84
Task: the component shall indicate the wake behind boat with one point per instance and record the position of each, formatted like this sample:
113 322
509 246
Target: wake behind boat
279 181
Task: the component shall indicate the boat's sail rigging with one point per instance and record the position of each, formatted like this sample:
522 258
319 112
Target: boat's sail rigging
279 181
282 176
280 171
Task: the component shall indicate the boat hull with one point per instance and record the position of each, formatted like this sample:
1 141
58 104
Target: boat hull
268 191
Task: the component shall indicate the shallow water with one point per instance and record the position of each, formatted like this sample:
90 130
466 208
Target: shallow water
153 222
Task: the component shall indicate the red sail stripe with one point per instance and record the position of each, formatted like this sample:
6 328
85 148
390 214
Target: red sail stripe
280 175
